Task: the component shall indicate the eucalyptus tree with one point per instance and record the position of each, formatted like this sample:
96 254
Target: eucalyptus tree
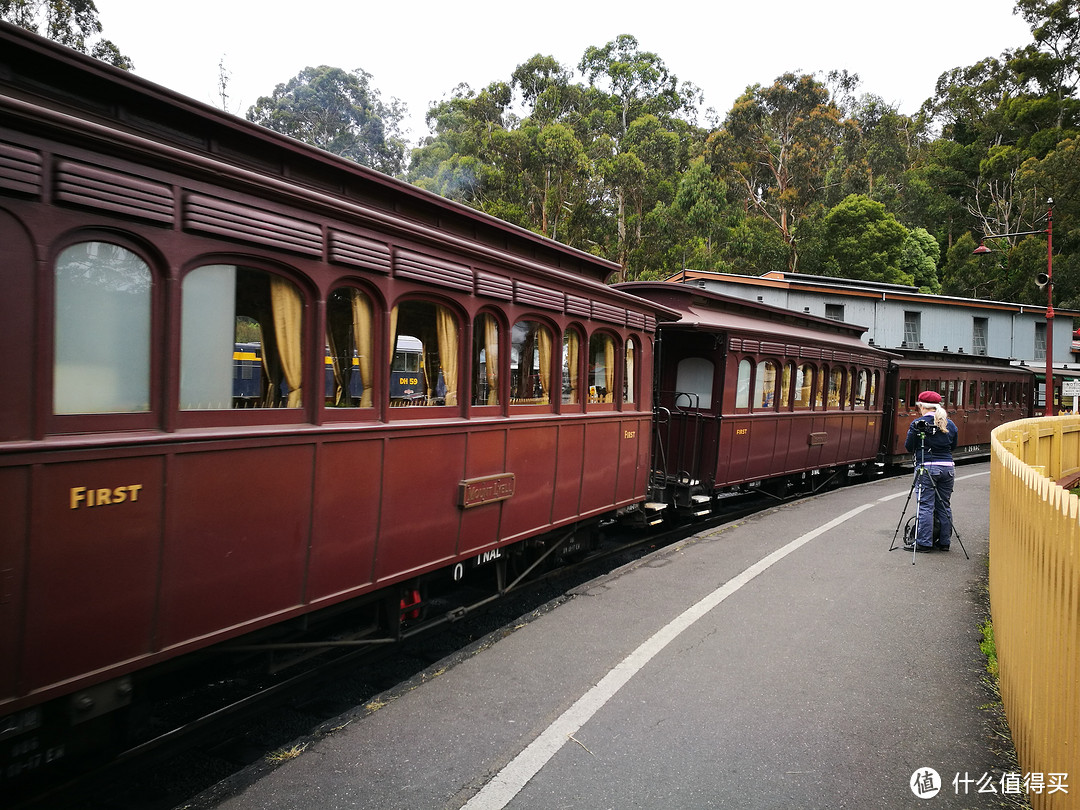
339 111
777 144
638 118
73 23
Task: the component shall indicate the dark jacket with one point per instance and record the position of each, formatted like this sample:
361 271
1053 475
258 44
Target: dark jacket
937 445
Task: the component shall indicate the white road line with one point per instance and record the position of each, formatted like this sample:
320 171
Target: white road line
506 784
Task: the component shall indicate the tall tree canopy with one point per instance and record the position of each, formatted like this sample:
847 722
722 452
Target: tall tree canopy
338 111
70 22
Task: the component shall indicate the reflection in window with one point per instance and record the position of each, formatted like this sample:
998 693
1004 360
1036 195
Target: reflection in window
784 394
819 391
424 363
765 385
571 355
742 384
235 322
101 361
836 388
530 364
485 361
601 368
628 376
804 385
862 389
348 349
694 383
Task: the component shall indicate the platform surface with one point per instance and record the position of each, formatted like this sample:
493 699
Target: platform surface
789 660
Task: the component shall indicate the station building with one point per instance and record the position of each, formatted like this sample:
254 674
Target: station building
899 316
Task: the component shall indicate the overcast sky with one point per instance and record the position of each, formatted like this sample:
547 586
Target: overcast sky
419 50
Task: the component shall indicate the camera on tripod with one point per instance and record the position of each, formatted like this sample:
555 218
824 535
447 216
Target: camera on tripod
926 428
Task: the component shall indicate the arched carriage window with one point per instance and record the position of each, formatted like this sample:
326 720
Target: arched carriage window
804 386
530 364
349 353
742 385
629 373
836 388
765 386
784 396
820 388
101 357
485 360
861 390
571 364
424 358
601 368
240 339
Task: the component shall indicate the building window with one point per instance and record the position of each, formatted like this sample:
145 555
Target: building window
101 360
912 329
834 312
1040 341
979 335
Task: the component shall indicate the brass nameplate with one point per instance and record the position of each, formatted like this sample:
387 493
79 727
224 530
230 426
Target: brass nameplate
814 439
490 488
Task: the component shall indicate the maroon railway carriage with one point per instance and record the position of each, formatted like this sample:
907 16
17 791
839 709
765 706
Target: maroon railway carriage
979 392
146 514
752 393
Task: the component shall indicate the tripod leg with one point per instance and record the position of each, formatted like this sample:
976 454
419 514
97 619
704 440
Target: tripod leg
903 511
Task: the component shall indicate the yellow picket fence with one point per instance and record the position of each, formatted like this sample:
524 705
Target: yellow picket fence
1035 598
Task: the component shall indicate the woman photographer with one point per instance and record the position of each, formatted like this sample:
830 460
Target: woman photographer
931 439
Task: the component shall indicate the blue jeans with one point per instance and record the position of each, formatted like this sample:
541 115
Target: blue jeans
933 489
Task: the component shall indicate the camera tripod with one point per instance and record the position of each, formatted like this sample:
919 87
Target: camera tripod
917 481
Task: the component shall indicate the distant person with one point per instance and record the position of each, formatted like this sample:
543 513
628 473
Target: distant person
931 439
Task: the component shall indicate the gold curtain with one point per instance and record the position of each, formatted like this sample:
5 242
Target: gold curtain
288 310
543 338
362 334
609 369
571 345
491 352
446 325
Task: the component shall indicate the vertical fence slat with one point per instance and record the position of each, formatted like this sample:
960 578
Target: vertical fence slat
1035 596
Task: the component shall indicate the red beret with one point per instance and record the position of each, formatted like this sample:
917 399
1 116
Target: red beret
929 398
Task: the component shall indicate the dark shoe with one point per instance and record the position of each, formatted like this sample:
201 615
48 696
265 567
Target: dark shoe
940 547
923 549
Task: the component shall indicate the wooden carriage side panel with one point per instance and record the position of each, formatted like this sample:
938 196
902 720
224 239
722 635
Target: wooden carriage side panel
480 523
419 513
634 478
237 528
531 456
348 492
602 440
14 498
569 458
93 564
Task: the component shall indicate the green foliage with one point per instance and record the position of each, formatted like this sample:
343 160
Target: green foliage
864 241
338 111
73 23
919 257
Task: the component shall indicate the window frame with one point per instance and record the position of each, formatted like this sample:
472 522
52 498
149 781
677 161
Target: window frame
66 423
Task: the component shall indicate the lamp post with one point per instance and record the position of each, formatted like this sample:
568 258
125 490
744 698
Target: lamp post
1042 280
